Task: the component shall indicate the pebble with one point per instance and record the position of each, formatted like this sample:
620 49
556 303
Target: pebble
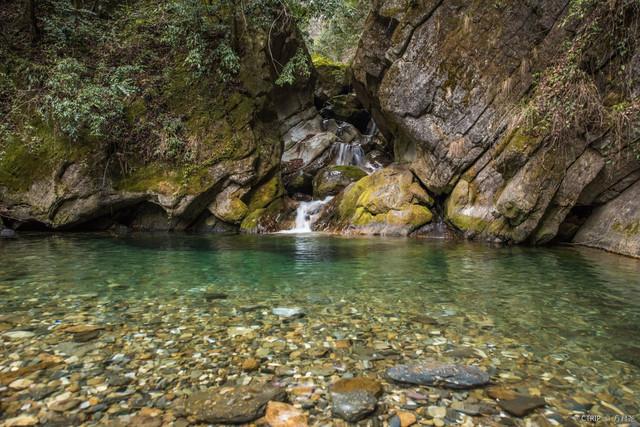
280 414
21 421
521 405
18 335
288 313
21 384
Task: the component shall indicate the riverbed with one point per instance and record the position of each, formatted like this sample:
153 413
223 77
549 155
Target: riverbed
98 328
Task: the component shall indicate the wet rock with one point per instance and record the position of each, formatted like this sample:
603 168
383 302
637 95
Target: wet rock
232 405
7 233
21 384
522 405
250 365
437 374
288 313
406 419
63 402
333 179
390 201
353 399
283 415
21 421
18 335
86 336
213 295
81 329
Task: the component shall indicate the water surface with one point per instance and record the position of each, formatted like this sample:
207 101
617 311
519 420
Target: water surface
573 313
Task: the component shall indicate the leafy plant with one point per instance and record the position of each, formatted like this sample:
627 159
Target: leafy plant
297 67
79 105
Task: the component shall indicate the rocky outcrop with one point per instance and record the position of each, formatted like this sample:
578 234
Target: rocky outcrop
233 169
614 226
388 202
519 137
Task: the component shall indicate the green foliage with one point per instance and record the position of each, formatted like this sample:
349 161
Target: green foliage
79 104
338 32
201 32
69 25
298 67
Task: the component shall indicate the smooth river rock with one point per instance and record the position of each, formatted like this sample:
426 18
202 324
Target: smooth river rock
288 312
353 399
438 374
284 415
229 405
522 405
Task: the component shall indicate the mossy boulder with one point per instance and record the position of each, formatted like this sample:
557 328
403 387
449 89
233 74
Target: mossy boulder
333 78
278 215
333 179
387 202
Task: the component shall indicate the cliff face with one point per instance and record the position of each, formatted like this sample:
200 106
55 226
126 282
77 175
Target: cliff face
522 119
195 152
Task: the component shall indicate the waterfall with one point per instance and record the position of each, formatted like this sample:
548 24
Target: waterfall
349 154
306 215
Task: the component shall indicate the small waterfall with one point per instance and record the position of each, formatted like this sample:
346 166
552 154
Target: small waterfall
306 215
349 154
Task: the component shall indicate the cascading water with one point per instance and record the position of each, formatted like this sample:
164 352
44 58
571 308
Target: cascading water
306 215
349 154
344 154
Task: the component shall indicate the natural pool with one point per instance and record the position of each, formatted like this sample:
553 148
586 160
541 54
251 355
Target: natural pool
562 323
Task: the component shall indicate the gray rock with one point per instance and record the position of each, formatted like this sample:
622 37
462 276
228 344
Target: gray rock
522 405
7 233
288 312
355 398
353 406
437 374
235 406
18 335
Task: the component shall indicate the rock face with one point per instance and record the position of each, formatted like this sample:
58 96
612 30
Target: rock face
447 82
387 202
615 226
233 167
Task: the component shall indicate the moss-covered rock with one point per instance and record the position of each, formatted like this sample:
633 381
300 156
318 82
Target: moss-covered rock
387 202
334 78
333 179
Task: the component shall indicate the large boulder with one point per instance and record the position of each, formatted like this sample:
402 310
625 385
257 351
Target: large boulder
390 201
510 113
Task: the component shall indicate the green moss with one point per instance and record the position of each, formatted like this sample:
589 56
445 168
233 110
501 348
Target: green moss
236 211
413 216
22 164
323 61
351 172
153 177
251 221
266 193
629 230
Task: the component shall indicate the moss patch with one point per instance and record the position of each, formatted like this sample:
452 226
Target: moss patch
22 163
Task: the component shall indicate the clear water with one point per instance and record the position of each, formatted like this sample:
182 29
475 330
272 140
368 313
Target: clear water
575 311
